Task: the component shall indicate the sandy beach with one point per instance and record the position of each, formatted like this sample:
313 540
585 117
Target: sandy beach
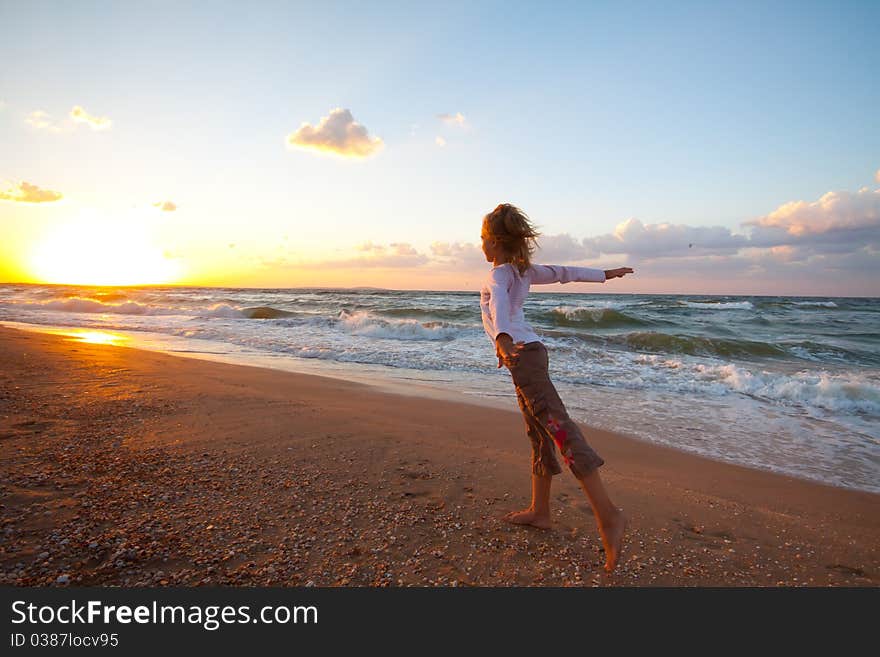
128 467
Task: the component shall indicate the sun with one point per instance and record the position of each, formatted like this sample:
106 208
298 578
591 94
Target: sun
94 250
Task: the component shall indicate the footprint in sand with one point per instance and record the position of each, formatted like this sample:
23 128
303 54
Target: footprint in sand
847 570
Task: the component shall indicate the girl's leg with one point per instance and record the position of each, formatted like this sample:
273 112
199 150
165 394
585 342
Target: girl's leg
538 514
544 466
610 519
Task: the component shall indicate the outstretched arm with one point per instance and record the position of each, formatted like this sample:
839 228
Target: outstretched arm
544 274
620 272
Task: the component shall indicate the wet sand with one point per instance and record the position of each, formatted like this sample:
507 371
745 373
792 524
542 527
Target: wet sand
121 466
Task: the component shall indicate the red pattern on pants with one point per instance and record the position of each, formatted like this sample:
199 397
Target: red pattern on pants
547 421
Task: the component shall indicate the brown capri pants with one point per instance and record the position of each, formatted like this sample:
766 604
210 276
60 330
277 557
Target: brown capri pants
547 421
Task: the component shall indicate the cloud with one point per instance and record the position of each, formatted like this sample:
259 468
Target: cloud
25 192
447 249
397 255
773 270
165 206
460 255
798 248
632 237
79 115
877 176
42 121
370 247
836 251
836 224
2 105
453 119
337 133
562 248
440 141
834 211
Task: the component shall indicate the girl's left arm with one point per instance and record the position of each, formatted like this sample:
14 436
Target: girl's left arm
543 274
620 272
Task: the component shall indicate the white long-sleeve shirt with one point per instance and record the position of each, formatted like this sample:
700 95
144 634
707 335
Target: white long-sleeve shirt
505 290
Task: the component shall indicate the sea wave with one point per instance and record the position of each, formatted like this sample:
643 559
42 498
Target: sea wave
266 312
86 305
820 353
368 324
719 305
845 392
223 309
848 392
697 346
800 305
412 312
591 317
820 304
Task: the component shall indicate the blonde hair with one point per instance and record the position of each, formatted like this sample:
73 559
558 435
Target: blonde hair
511 227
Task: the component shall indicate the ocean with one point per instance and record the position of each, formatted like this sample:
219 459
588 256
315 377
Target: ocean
789 384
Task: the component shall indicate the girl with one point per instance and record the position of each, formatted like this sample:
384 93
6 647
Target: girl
509 240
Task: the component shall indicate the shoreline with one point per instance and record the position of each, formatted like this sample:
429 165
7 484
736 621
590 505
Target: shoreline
404 386
129 466
377 377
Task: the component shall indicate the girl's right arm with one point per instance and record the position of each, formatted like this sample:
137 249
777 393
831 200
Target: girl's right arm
500 282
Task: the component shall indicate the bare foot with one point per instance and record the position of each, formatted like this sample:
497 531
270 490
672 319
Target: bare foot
529 517
612 539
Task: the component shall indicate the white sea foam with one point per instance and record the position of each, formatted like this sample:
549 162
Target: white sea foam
719 305
845 392
574 313
86 305
822 304
367 324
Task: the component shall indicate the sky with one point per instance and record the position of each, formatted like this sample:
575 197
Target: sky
716 148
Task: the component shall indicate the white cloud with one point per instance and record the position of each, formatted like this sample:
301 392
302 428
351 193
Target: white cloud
660 240
453 119
877 176
440 141
395 248
397 255
79 115
337 133
458 254
834 211
42 121
402 249
563 248
799 246
370 247
774 270
837 223
25 192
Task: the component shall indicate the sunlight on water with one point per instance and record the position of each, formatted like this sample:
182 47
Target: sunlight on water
96 337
